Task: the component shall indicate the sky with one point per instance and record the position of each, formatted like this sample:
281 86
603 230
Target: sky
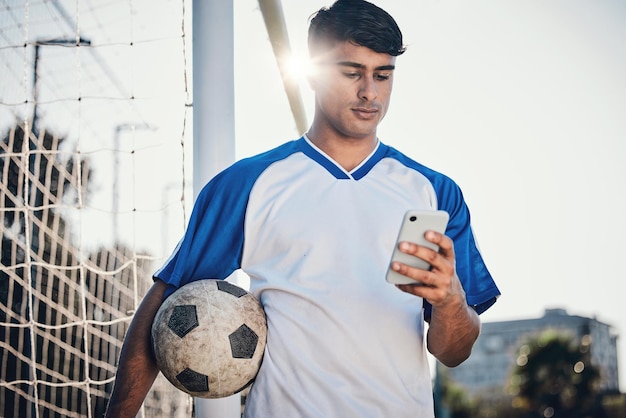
523 104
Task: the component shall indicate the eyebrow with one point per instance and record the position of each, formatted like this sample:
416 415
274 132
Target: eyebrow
361 66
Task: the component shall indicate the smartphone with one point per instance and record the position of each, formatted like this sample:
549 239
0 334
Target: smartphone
414 225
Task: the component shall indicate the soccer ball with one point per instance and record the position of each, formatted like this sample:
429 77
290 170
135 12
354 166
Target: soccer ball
208 338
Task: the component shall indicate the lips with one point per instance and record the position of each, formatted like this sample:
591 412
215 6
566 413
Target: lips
365 112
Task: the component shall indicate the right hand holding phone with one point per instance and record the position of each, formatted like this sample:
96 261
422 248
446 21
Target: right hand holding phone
413 228
439 284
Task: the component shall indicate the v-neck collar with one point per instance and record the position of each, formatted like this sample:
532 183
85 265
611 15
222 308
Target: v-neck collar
360 171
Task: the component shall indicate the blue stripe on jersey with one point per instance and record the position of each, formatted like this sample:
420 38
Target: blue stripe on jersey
316 156
370 163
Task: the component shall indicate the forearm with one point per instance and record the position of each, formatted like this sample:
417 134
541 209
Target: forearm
452 332
130 390
137 368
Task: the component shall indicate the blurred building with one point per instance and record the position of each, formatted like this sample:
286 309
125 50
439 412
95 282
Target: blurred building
488 370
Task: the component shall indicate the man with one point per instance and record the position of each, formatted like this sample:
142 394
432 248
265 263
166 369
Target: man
313 223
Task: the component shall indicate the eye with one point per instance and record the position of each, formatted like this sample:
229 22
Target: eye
382 77
351 74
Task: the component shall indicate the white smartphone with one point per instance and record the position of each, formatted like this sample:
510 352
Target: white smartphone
414 225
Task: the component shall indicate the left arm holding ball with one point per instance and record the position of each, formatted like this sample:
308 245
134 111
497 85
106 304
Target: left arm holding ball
454 325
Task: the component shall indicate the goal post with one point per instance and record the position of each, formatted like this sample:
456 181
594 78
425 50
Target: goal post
214 125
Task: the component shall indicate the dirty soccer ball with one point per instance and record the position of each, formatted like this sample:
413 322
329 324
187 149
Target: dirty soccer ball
208 338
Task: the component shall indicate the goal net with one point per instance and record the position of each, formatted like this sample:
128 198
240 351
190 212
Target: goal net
94 121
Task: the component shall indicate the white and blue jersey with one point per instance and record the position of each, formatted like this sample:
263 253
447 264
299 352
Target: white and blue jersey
316 241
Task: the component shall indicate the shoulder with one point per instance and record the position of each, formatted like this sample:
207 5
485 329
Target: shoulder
243 173
275 154
444 185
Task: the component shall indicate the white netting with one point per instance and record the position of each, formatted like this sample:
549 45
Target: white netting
94 116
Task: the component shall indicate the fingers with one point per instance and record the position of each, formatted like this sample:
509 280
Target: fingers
433 284
446 246
439 260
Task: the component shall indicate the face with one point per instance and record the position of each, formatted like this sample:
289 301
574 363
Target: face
352 87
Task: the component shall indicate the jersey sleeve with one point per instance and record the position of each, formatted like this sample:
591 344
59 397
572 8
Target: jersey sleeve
212 244
480 288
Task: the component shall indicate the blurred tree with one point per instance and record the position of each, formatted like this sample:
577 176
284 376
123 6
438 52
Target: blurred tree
78 302
555 378
39 278
451 400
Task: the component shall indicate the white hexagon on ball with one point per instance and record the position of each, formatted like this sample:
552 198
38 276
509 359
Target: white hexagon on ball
208 338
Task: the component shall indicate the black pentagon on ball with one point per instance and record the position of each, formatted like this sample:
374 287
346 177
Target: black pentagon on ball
193 381
243 342
227 287
184 318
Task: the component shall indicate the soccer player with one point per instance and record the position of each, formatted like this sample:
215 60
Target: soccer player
313 222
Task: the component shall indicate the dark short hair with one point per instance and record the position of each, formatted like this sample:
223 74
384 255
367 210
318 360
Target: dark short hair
356 21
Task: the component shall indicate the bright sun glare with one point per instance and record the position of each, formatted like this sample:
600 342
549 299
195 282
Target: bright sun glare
298 67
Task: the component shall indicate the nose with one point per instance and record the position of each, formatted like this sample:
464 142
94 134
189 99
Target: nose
367 89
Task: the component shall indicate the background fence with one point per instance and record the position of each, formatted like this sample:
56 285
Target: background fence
93 192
